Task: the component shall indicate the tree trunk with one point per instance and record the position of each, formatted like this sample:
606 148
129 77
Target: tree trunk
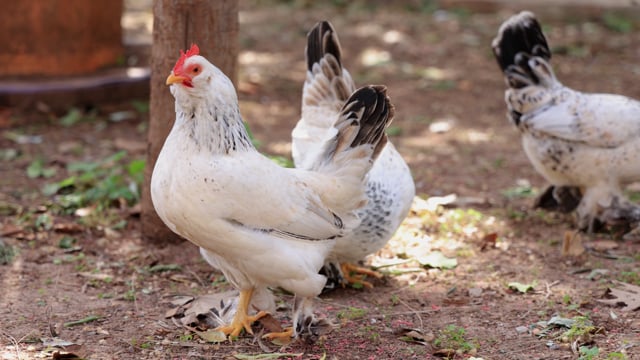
213 26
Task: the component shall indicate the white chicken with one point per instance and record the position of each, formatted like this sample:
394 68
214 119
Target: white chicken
259 223
573 139
390 187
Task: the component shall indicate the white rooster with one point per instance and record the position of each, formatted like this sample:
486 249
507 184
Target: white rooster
390 187
573 139
259 223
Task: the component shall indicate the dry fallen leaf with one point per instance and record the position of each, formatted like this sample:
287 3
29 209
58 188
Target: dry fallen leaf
572 244
10 229
415 336
96 276
135 210
445 353
57 355
603 245
270 324
56 342
211 335
627 294
68 228
489 241
204 312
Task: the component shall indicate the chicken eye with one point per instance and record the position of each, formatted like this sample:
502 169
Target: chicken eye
196 69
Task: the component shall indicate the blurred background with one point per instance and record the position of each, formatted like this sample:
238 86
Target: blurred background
74 117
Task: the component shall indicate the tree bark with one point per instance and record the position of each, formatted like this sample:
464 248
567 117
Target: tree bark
213 26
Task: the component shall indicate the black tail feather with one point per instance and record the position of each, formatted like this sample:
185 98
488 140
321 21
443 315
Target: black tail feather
322 40
362 120
378 113
520 34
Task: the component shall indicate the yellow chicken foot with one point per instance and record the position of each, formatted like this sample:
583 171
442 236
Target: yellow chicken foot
283 336
242 320
347 269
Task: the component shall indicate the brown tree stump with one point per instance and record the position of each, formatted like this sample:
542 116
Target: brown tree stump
213 25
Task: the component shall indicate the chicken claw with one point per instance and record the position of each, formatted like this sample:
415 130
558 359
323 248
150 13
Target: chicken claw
348 268
242 320
282 336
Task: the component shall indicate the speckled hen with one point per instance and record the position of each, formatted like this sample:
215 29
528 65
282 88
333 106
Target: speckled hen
573 139
390 187
259 223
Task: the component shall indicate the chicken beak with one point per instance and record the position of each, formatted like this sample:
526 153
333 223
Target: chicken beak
172 79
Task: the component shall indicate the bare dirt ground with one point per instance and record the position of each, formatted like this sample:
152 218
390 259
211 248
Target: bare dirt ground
83 282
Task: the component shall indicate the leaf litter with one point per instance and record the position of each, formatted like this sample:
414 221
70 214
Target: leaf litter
203 312
627 295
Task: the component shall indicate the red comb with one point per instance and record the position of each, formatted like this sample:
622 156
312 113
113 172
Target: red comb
184 56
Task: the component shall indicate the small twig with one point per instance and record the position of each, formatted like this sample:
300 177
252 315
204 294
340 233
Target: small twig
524 315
400 313
52 328
89 318
400 262
602 255
574 346
549 286
400 289
414 312
198 278
135 297
15 343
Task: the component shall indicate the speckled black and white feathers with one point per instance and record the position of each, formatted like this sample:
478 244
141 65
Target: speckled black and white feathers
362 114
588 142
389 188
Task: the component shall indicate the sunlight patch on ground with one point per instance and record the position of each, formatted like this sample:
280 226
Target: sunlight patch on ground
10 353
368 29
431 227
258 58
475 136
393 37
374 57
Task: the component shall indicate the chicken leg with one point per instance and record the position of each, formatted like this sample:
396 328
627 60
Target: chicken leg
348 268
283 337
305 324
242 320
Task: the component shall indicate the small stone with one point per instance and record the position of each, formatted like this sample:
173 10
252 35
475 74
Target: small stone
522 329
475 292
441 126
